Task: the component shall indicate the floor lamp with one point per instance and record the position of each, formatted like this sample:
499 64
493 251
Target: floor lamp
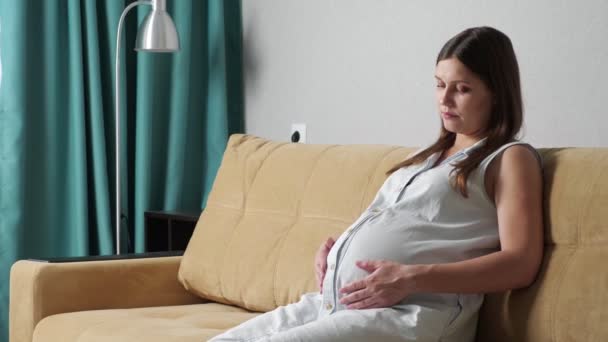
156 34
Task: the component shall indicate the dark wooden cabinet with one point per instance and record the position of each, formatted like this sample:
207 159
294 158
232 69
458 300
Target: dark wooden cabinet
168 231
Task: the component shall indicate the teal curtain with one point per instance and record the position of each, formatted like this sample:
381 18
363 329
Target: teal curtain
57 122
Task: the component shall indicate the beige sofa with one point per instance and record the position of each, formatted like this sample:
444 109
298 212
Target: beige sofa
271 206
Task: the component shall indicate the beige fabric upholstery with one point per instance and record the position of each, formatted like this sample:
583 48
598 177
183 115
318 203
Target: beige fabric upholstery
39 289
270 207
185 323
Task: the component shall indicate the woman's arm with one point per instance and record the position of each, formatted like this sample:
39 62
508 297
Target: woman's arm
518 197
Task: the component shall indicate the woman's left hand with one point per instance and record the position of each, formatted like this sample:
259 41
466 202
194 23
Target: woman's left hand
388 283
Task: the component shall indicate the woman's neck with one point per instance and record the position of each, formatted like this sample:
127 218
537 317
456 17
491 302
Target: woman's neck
464 141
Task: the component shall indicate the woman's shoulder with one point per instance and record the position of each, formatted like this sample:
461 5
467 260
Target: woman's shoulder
517 151
514 162
522 152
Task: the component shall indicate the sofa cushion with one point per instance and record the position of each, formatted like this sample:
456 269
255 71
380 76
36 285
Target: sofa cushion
282 199
183 323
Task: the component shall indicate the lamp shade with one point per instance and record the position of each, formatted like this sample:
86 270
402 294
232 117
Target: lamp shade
157 33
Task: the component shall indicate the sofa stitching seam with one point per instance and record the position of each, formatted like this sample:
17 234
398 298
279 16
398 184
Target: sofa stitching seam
242 212
587 206
298 214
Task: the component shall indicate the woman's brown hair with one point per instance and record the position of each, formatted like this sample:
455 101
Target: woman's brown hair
489 54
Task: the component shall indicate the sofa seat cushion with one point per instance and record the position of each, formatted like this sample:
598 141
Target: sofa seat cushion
183 323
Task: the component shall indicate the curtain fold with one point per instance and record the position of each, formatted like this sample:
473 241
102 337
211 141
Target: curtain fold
57 122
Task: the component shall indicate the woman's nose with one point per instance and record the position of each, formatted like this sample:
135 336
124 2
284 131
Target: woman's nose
445 98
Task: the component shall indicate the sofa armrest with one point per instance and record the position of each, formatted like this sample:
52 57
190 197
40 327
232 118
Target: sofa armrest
39 289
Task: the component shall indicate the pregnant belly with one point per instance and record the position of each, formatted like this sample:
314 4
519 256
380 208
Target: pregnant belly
405 246
373 244
405 240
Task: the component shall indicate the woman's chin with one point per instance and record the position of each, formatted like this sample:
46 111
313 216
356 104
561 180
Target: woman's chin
450 128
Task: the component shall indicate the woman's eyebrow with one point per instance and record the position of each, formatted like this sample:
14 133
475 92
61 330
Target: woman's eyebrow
455 81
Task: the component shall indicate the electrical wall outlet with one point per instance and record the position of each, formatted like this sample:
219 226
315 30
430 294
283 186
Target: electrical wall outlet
298 133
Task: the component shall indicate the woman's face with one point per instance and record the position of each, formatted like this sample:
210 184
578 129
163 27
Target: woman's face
463 99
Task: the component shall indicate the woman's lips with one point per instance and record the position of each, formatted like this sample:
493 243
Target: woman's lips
448 115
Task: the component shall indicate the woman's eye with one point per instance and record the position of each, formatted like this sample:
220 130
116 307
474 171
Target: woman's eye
464 90
440 85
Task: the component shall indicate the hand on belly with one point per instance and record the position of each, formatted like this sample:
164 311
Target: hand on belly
387 284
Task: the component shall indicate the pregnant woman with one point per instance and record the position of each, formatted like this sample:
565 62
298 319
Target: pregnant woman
457 219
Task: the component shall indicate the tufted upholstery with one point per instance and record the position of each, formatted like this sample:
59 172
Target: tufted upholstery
271 206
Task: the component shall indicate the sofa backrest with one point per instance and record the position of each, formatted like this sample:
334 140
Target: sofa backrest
274 203
271 206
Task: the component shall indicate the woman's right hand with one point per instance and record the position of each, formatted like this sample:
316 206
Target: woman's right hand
321 261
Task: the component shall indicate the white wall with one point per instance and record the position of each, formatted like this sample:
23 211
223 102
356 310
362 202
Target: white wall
361 71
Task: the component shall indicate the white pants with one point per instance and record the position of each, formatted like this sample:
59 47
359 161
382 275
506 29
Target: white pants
298 322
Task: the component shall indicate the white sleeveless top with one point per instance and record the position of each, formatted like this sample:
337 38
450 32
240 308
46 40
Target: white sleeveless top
417 217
